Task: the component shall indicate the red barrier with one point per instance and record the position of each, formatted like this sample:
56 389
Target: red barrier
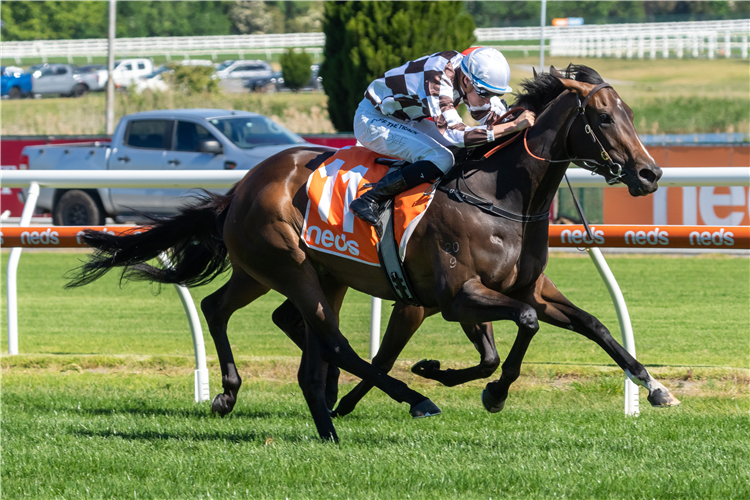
606 236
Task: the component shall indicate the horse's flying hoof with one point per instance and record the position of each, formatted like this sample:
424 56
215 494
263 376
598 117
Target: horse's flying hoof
491 403
662 398
425 409
426 367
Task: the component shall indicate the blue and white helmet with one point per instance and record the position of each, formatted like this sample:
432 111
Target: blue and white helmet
488 71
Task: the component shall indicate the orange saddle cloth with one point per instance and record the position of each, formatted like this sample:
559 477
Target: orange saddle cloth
329 225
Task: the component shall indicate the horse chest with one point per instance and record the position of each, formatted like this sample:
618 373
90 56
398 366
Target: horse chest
510 261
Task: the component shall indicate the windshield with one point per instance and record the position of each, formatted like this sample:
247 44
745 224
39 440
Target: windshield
158 71
223 65
248 132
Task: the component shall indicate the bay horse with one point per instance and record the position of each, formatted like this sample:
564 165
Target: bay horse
464 261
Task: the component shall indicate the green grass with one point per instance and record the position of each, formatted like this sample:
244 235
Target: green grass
99 403
99 435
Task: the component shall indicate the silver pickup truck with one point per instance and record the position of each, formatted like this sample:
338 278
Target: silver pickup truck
183 139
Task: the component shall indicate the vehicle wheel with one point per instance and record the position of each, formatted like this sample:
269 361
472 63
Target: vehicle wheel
80 90
269 88
77 208
14 93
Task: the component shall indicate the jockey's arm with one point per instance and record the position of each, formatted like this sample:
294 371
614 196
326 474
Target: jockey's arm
525 120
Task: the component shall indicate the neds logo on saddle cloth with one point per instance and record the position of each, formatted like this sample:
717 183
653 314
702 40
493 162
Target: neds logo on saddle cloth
329 225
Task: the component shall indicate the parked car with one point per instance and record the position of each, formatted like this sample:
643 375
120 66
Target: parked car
155 81
184 139
14 83
244 69
63 79
275 83
100 72
128 71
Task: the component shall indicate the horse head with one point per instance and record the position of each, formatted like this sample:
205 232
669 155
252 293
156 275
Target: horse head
602 136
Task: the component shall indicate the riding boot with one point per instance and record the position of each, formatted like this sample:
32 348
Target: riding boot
366 207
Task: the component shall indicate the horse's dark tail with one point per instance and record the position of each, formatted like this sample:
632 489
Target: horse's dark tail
192 240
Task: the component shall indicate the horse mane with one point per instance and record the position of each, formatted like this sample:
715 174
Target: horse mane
539 92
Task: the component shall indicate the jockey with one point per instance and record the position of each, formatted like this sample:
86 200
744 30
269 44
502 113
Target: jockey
410 113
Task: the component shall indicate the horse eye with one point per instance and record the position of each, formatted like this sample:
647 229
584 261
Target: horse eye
605 118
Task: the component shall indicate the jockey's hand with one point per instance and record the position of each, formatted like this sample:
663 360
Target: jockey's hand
525 120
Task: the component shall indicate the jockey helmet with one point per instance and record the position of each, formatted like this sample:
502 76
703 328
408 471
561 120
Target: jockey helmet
488 71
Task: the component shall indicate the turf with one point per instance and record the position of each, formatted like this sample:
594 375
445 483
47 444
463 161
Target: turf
99 403
94 435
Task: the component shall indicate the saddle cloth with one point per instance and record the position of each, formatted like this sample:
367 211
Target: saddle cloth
329 225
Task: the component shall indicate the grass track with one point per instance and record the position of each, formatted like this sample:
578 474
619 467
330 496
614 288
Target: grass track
99 403
136 436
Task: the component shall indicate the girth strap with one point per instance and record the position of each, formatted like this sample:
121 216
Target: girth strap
489 207
389 259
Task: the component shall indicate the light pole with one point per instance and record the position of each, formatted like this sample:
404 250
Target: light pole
110 70
542 22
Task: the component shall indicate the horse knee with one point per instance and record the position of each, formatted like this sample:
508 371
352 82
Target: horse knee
528 321
489 365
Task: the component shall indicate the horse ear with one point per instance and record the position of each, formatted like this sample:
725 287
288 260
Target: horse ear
581 88
533 70
553 71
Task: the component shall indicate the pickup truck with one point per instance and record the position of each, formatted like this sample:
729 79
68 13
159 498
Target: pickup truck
183 139
63 79
14 83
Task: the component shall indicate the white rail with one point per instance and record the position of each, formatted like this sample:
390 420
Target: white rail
673 177
683 39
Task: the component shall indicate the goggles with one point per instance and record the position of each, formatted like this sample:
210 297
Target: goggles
485 93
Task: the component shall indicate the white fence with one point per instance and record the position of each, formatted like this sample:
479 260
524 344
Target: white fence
724 176
687 39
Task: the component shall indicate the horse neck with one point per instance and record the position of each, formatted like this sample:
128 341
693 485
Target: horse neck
521 182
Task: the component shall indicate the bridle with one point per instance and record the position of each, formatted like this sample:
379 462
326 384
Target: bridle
595 166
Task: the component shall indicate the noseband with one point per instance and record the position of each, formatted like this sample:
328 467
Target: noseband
595 166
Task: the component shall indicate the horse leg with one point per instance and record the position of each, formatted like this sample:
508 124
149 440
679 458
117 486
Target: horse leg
482 337
404 321
217 308
474 304
290 321
554 308
313 368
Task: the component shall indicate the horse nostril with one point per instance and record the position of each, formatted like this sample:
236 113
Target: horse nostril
647 175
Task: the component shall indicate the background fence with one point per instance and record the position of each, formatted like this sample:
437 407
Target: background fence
686 39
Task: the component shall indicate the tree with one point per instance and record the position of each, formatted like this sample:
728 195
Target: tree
296 68
366 39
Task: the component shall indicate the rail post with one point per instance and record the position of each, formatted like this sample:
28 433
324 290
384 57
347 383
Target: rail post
202 391
15 256
626 328
375 308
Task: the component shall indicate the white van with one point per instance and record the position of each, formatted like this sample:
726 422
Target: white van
129 70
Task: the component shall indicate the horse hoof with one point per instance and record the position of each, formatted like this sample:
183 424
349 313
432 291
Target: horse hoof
662 398
219 406
425 409
491 403
425 366
333 413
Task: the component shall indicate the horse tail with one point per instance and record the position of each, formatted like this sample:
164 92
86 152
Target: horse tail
192 239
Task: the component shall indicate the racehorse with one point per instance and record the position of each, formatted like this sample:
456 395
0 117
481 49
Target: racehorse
474 262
